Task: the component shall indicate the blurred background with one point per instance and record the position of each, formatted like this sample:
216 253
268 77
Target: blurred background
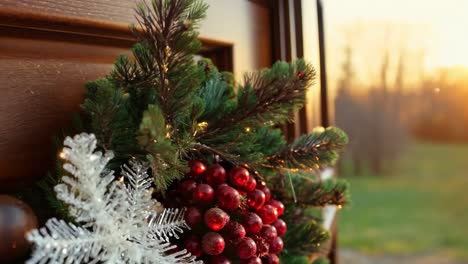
398 84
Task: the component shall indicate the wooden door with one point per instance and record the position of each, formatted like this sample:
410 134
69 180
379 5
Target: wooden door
50 48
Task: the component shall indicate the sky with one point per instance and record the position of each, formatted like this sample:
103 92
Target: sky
440 26
426 34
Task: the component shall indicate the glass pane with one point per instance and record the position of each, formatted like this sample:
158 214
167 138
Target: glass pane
398 78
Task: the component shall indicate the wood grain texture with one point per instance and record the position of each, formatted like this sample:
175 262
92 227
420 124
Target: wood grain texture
42 85
117 11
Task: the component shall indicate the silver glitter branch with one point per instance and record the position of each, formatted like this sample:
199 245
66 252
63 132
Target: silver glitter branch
116 223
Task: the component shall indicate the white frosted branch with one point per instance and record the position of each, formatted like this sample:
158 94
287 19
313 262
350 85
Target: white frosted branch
118 224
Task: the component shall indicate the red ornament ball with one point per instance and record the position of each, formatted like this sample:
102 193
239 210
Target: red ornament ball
250 185
255 199
193 245
193 216
278 205
186 188
203 194
239 176
266 191
246 248
254 260
300 74
227 197
271 259
252 223
280 226
216 219
197 168
276 245
268 213
234 231
219 260
268 232
215 174
213 243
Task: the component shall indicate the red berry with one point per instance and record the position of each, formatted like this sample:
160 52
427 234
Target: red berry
219 260
268 213
252 223
270 259
276 245
203 194
193 216
193 245
266 191
280 226
239 176
216 219
234 231
278 205
254 260
186 188
215 174
268 232
197 168
255 199
251 184
227 197
246 248
213 243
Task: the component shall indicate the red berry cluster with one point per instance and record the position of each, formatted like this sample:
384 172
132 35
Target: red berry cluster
231 216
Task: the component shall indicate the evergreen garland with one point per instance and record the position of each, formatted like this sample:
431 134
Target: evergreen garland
163 107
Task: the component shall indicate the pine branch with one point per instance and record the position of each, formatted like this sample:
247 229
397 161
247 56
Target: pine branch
112 120
164 156
165 58
322 193
313 151
303 238
267 97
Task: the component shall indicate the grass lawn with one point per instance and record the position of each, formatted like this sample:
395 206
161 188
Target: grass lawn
421 209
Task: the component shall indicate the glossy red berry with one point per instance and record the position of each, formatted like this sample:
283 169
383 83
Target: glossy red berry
266 191
219 260
238 176
278 205
193 216
270 259
276 245
213 243
227 197
197 169
280 226
246 248
203 194
254 260
268 213
268 232
251 184
216 219
186 188
234 231
255 199
193 245
215 174
252 223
